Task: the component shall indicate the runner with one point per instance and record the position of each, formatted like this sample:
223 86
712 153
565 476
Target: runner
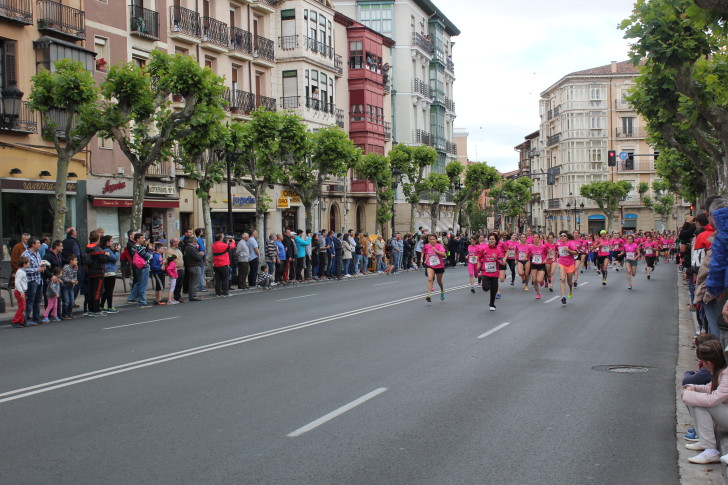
489 258
582 249
580 243
538 253
524 268
664 241
503 246
603 246
649 249
617 246
433 254
551 263
630 254
591 241
472 262
511 246
566 249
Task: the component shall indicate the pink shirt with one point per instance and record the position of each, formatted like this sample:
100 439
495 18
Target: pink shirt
473 254
433 259
604 246
631 251
172 270
617 244
529 240
538 253
650 248
563 248
489 259
511 249
551 253
522 251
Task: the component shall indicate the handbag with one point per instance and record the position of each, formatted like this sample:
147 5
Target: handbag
138 261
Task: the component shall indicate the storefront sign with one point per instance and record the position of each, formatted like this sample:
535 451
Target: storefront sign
282 202
34 186
288 193
243 200
148 203
109 187
161 189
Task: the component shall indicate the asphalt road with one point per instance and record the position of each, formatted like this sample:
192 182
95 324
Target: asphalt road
358 382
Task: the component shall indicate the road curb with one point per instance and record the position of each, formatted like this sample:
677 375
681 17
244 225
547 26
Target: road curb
690 474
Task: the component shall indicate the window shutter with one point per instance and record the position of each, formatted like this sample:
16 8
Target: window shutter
9 62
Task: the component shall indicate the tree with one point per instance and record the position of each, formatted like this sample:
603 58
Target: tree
72 89
139 114
478 177
512 196
260 148
436 185
607 195
412 163
682 90
662 203
332 154
377 169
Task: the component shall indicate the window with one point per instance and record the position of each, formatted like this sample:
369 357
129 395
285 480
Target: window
106 144
139 61
49 50
627 126
290 14
210 63
8 63
290 84
377 16
356 55
182 51
357 112
101 46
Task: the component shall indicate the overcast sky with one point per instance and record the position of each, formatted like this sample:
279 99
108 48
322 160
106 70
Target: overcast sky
509 52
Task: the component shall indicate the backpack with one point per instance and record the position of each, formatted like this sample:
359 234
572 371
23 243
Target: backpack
390 244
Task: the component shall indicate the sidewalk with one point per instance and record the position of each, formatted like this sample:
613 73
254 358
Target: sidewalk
690 474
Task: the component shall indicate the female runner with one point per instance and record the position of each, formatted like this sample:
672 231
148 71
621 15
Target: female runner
524 266
580 243
566 249
630 254
538 253
489 258
582 249
617 244
472 262
551 264
650 248
603 246
511 246
433 254
591 241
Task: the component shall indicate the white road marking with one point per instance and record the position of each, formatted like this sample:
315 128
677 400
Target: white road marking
297 297
5 326
582 284
336 413
141 323
552 299
491 332
387 283
98 374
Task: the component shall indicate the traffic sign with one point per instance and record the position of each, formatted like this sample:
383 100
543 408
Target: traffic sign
623 156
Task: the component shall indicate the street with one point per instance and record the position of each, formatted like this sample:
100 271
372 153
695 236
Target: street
358 382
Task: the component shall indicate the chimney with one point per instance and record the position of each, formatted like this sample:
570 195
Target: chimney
614 66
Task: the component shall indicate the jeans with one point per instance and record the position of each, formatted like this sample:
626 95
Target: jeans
67 297
222 278
300 265
397 261
380 264
253 272
357 264
140 287
712 314
323 263
33 298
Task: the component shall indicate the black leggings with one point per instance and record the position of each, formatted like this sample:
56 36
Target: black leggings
107 298
490 283
512 265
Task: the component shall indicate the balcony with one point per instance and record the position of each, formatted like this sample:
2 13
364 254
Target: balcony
215 34
239 102
265 102
184 24
451 148
450 66
553 140
264 6
263 51
288 42
423 138
241 43
20 11
421 88
336 188
161 170
339 65
387 131
554 203
630 133
144 22
290 102
61 19
340 118
58 118
423 43
360 186
318 47
317 105
449 103
25 122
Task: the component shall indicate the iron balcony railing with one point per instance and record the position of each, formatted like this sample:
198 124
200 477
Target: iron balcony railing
449 103
553 140
24 122
290 102
387 131
56 119
554 203
339 64
144 22
288 42
239 101
264 48
630 132
450 65
265 102
422 42
160 169
319 105
56 17
325 50
340 118
422 137
422 88
241 40
184 21
17 11
451 148
310 43
215 32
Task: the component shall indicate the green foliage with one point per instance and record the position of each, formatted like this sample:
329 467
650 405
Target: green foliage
607 195
377 169
437 184
516 192
662 201
412 162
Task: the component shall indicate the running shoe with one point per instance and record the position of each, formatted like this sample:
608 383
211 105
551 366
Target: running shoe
706 457
428 298
492 308
511 283
472 289
551 289
629 287
570 295
498 296
691 430
575 282
538 297
648 277
563 300
111 310
604 282
690 436
442 296
525 288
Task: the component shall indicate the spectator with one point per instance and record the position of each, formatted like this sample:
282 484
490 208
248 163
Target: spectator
54 291
242 254
397 250
158 272
34 272
44 246
265 280
254 257
347 253
323 254
55 260
281 276
290 244
271 256
69 280
201 283
18 251
95 259
307 273
715 282
174 250
144 253
71 245
193 264
21 287
173 277
301 244
221 264
379 254
110 269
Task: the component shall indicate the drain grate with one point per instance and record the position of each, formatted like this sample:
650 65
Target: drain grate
622 369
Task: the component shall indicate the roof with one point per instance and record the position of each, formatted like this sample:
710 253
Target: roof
46 41
615 69
510 174
349 22
430 9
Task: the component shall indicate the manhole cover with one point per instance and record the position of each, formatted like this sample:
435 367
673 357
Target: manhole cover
622 369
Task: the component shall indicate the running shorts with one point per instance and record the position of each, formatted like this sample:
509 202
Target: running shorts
569 269
620 258
158 281
600 260
650 261
631 262
523 262
538 267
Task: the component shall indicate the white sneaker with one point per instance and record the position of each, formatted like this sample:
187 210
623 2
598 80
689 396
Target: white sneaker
708 456
492 308
694 446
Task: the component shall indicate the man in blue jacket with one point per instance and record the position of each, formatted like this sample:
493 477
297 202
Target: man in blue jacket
716 282
301 244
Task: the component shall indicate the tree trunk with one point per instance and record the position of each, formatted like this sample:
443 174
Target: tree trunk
258 191
433 215
139 177
308 221
412 218
61 206
207 222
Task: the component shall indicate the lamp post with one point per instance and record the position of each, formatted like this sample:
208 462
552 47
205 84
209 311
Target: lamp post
11 105
581 214
396 176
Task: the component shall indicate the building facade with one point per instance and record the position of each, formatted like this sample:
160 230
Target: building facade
583 116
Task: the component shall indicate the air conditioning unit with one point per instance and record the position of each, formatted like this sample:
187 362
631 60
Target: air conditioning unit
180 183
120 170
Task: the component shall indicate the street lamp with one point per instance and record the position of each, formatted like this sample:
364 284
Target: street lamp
581 214
11 105
396 177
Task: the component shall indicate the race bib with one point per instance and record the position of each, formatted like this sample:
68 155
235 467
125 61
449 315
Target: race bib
537 259
649 251
521 256
433 260
552 255
490 267
605 249
563 250
630 255
473 259
511 254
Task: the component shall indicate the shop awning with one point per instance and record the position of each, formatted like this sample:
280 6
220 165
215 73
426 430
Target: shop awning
597 217
124 202
630 216
217 211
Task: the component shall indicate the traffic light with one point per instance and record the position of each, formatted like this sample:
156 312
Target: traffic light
612 158
629 163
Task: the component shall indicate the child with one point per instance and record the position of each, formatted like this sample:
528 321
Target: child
69 279
53 292
21 286
264 278
157 272
173 275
